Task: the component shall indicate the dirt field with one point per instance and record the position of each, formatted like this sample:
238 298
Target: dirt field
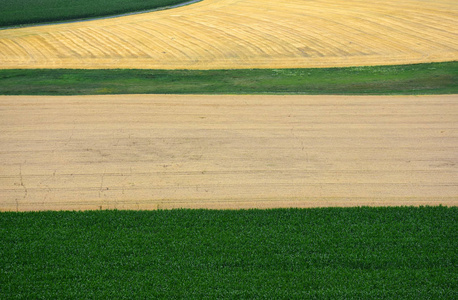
151 151
216 34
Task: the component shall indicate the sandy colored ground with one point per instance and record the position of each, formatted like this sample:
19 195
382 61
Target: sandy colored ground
216 34
151 151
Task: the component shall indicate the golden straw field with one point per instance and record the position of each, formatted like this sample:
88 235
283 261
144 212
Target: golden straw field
216 34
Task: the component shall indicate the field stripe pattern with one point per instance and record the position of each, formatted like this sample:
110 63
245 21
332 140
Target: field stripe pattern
152 151
219 34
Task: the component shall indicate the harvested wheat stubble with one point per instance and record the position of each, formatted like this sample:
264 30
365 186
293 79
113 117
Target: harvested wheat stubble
215 34
158 151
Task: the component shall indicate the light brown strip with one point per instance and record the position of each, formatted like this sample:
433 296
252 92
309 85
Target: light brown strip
152 151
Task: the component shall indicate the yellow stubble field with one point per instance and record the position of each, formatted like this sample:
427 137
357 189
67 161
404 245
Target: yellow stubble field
216 34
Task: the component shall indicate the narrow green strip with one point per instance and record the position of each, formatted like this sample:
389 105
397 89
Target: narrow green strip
329 253
433 78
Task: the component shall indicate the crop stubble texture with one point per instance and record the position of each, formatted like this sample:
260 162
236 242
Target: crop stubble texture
151 151
219 34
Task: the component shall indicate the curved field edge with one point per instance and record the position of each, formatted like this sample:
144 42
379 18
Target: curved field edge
338 253
20 13
430 78
248 34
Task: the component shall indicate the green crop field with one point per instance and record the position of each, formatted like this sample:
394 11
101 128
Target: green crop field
433 78
23 12
325 253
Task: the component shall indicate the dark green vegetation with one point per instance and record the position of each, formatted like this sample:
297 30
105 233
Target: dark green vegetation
21 12
328 253
434 78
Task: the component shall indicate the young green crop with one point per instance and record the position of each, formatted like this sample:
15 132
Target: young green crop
23 12
434 78
330 253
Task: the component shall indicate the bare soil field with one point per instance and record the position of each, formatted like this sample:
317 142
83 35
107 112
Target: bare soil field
159 151
221 34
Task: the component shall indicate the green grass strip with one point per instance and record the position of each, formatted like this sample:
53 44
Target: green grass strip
433 78
26 12
326 253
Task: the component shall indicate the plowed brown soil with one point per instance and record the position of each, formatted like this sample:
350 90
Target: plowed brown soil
220 34
150 151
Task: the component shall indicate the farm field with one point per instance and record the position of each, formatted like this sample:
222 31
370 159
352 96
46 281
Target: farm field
116 156
233 34
326 253
170 151
27 12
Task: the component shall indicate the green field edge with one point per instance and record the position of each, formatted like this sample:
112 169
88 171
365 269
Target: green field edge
295 253
82 17
411 79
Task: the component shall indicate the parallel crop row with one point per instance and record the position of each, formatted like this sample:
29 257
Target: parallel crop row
23 12
338 253
222 34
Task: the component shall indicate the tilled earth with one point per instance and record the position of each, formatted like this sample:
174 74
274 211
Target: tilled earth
167 151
